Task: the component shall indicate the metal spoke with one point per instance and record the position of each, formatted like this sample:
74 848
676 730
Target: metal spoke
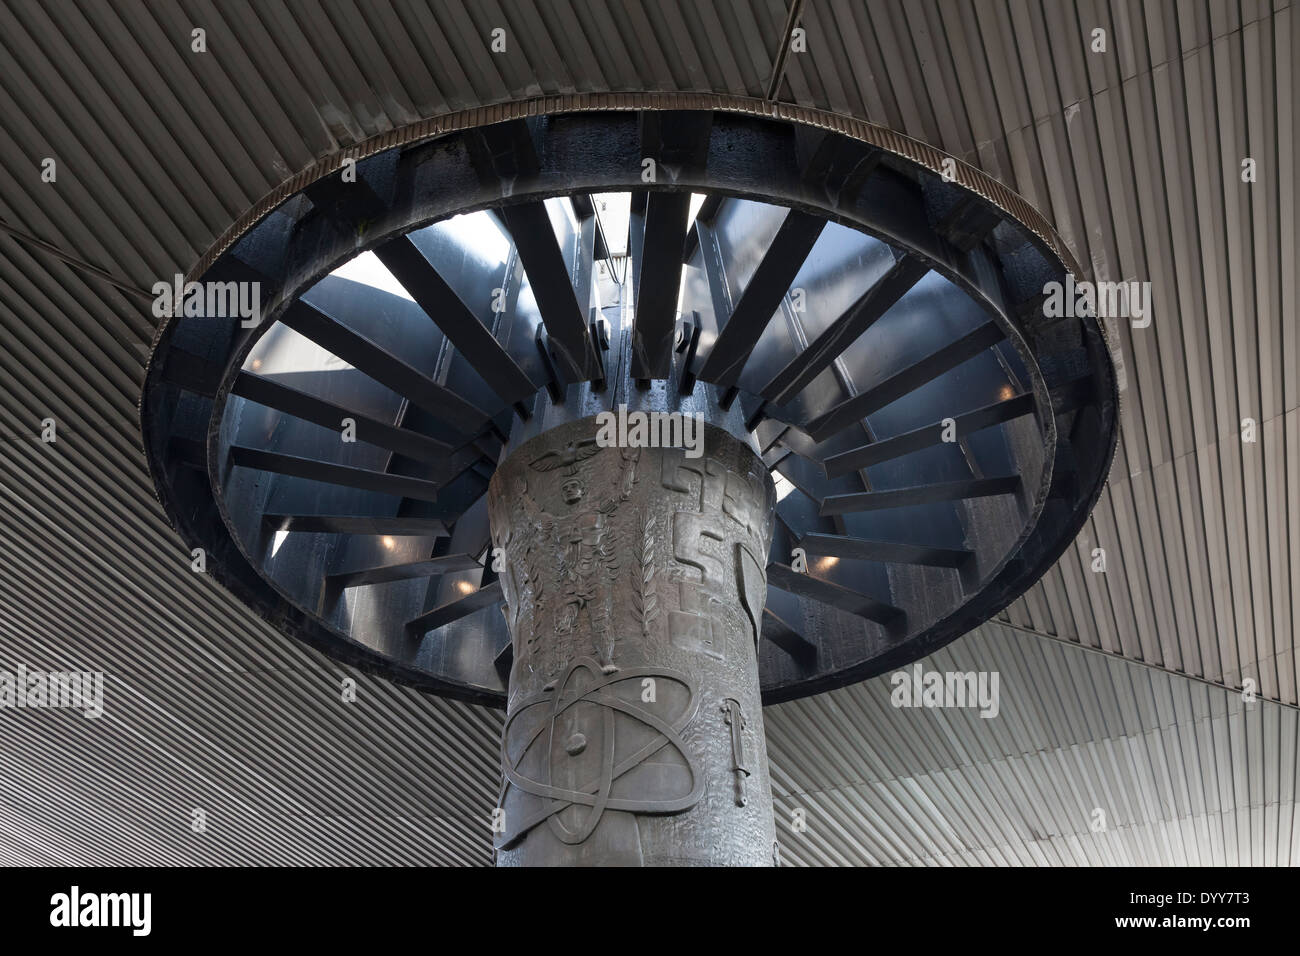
779 632
920 495
763 293
356 524
900 383
927 436
844 331
383 574
846 599
473 340
660 279
866 549
384 367
454 610
300 404
362 479
563 315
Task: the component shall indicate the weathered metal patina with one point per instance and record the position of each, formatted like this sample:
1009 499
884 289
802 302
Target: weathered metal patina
634 581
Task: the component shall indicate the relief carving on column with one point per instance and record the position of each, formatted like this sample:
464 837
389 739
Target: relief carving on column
722 587
635 581
645 602
567 548
592 744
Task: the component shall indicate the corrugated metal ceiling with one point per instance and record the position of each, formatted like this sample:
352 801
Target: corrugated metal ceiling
1134 154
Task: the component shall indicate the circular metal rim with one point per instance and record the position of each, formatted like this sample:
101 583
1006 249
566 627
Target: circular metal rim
399 670
904 147
294 619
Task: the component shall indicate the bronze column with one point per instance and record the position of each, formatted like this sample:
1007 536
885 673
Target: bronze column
635 582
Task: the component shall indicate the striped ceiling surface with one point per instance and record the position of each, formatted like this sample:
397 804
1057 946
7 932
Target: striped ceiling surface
1120 691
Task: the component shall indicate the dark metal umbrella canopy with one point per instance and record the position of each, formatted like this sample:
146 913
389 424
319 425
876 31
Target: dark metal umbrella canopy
850 303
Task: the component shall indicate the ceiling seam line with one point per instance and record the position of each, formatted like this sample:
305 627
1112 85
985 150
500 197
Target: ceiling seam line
73 261
783 51
1129 660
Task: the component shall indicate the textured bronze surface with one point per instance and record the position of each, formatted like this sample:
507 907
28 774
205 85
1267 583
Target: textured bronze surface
631 576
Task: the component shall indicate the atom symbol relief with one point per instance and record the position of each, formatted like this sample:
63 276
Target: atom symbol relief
584 748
